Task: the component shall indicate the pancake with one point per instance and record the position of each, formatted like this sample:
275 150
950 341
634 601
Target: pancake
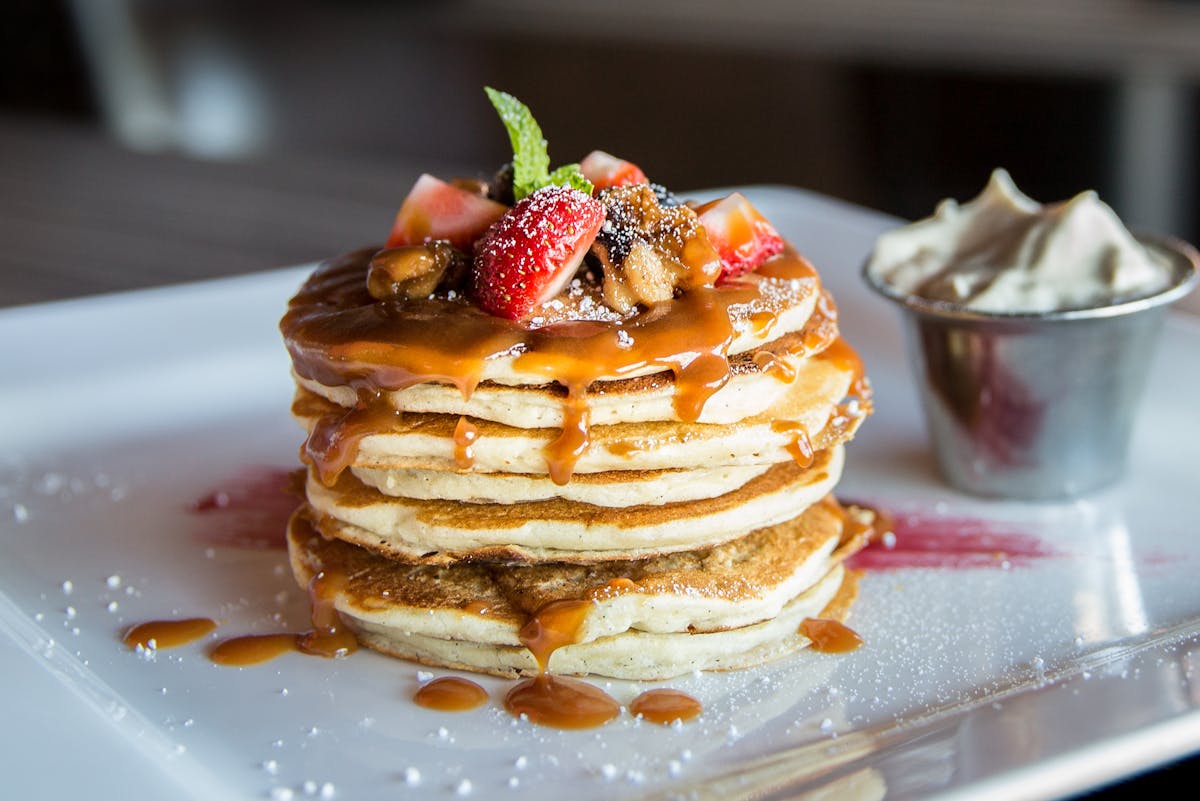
757 379
615 488
428 441
719 608
440 531
635 655
647 434
333 326
749 391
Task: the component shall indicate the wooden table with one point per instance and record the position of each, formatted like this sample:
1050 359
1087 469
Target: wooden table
80 215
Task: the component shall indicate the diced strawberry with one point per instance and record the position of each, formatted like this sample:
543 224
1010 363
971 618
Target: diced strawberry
605 170
533 251
743 237
435 209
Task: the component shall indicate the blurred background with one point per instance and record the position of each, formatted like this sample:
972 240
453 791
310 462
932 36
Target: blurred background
892 104
146 142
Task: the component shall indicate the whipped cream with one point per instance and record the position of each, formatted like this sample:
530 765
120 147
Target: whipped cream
1004 252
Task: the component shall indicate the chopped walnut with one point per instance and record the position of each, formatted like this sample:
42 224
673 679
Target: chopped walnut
648 251
415 271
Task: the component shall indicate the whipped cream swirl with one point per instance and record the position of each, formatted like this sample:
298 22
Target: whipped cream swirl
1004 252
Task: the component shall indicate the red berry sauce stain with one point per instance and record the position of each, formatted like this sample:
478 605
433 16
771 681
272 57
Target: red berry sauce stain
251 510
930 540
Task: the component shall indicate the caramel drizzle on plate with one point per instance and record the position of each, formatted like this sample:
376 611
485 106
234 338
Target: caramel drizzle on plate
551 700
451 694
328 637
830 636
168 633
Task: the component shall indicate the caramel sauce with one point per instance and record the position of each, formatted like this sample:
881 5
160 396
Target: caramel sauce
819 332
465 434
613 588
252 649
546 699
551 700
774 366
451 694
627 448
870 526
800 447
168 633
830 636
561 703
477 608
761 322
563 453
845 358
665 706
556 624
691 340
327 638
338 335
333 442
564 703
821 329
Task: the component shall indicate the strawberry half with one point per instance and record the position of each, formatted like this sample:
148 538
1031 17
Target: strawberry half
605 170
435 209
533 251
743 237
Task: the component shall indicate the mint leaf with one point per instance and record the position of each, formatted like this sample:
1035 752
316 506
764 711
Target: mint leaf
531 162
569 175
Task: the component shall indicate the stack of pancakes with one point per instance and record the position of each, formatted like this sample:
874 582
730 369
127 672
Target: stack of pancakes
674 468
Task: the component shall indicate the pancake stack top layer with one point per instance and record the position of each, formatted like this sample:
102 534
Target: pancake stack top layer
570 387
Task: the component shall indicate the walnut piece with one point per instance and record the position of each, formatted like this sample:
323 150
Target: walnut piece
414 271
648 251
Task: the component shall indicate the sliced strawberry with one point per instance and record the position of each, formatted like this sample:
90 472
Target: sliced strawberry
435 209
605 170
533 251
743 237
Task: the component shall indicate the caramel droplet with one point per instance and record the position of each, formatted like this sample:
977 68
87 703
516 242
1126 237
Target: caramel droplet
451 694
800 447
478 608
252 649
613 588
561 703
665 706
830 636
465 434
168 633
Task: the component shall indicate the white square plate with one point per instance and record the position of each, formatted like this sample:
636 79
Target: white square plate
1042 649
